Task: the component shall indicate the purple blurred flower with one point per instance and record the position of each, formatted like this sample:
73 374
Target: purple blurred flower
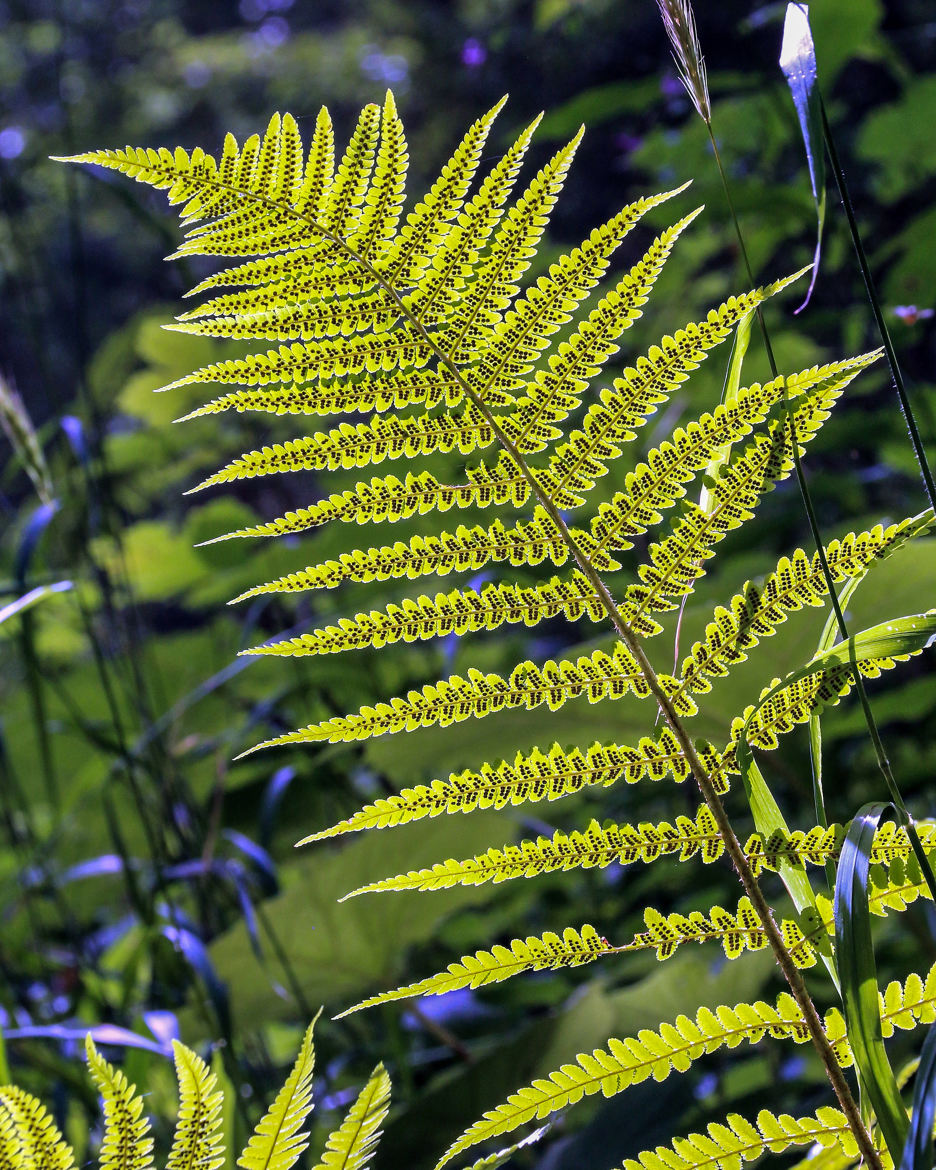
473 53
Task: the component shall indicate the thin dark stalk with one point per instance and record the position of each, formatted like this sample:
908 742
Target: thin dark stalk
871 289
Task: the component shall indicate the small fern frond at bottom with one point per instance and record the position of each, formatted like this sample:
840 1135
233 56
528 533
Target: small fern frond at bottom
127 1142
354 1143
652 1054
29 1138
726 1146
198 1143
278 1140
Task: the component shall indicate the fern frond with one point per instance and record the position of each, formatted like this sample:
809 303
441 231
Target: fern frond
452 700
461 611
278 1139
512 345
368 395
657 484
354 1143
198 1142
547 953
491 289
675 563
674 1047
583 458
127 1142
466 549
758 610
400 350
531 777
29 1138
727 1146
598 846
384 200
553 394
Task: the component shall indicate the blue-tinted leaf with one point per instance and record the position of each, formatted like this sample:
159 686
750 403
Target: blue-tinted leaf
918 1152
31 598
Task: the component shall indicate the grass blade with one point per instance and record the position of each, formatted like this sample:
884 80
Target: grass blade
858 974
918 1152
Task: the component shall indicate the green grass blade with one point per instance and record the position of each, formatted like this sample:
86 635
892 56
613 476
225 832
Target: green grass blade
858 974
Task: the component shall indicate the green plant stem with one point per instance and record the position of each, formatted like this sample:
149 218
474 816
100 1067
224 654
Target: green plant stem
733 846
902 396
880 751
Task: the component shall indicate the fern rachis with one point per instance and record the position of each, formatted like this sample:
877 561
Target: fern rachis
431 318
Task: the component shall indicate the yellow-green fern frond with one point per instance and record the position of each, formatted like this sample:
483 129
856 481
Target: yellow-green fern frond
665 933
759 609
279 1139
198 1142
354 1143
465 550
401 350
488 294
509 353
384 200
29 1138
548 953
576 465
596 676
674 1047
461 611
127 1142
370 395
737 1141
531 777
598 846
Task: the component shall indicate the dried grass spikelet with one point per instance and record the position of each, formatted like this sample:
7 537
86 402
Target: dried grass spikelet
679 22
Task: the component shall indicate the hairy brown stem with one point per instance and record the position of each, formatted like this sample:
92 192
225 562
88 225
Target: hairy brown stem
732 845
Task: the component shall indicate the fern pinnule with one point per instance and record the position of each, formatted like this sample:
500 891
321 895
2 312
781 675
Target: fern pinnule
127 1142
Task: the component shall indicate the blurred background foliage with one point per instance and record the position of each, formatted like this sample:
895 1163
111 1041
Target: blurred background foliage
148 886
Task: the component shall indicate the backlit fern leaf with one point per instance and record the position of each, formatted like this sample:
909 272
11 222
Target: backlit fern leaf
623 1063
552 951
461 611
198 1142
727 1146
29 1138
127 1142
597 676
530 777
354 1143
665 933
278 1139
758 609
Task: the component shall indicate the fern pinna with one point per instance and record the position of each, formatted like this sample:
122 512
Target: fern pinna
424 325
